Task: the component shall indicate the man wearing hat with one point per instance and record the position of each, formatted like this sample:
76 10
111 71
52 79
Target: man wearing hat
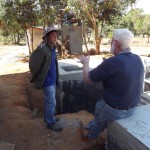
43 65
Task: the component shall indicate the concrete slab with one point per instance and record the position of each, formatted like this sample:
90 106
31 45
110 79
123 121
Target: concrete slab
76 74
73 93
131 133
74 34
72 74
146 97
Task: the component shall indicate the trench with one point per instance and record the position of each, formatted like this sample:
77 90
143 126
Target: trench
71 95
75 95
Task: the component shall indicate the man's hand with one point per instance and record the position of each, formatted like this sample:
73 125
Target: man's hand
84 60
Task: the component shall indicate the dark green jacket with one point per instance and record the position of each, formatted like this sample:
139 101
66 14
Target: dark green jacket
39 63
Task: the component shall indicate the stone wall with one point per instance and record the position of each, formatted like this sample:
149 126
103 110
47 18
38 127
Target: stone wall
75 95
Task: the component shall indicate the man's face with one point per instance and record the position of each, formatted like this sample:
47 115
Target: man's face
114 47
52 37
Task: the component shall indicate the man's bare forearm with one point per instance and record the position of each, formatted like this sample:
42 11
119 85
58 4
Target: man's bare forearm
86 70
85 61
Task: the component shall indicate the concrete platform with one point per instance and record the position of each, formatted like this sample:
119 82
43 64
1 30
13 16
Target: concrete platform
132 133
145 98
71 69
73 93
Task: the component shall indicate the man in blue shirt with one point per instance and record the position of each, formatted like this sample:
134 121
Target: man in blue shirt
122 76
43 65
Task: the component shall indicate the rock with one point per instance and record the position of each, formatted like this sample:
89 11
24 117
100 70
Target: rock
6 146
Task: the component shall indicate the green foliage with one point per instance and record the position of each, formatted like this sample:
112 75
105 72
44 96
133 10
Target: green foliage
146 25
18 15
1 9
50 10
100 14
22 12
133 20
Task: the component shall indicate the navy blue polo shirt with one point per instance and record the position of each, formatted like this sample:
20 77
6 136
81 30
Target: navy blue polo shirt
51 76
122 77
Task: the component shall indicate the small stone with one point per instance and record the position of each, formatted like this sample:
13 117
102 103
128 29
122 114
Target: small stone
6 146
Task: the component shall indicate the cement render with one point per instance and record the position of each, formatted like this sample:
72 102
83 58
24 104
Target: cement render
119 139
132 133
76 74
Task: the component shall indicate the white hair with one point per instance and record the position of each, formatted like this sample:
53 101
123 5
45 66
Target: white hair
124 37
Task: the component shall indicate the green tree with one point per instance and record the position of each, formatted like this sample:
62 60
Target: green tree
19 15
49 11
146 26
1 9
100 14
134 20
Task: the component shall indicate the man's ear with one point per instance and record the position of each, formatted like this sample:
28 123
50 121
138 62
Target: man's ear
45 38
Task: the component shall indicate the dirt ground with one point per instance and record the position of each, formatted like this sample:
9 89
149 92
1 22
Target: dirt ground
17 124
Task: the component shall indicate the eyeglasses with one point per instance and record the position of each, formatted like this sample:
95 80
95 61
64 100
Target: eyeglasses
113 41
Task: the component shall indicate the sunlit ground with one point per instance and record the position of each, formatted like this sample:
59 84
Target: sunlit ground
14 59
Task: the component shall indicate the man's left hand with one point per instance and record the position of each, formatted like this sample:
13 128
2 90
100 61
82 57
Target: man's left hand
84 60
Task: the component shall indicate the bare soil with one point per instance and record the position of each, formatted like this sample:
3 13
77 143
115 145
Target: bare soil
17 124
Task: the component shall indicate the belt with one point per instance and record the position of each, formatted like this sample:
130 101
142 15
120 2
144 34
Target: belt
119 108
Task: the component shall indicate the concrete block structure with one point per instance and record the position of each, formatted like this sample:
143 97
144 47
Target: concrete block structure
145 98
73 93
132 133
74 37
71 69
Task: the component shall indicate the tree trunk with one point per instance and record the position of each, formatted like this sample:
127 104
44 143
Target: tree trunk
28 42
14 38
18 38
85 41
32 40
97 41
